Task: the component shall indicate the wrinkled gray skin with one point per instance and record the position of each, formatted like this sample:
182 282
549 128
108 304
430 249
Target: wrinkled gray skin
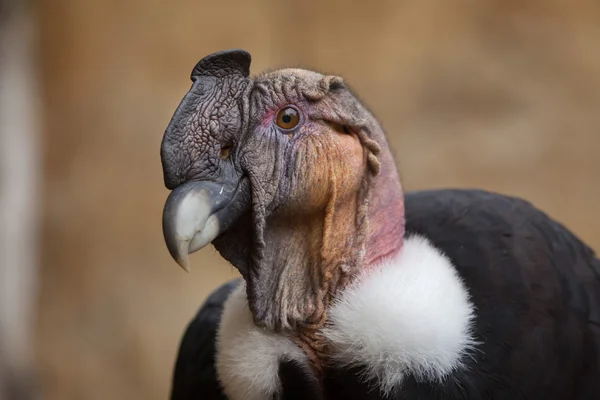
212 115
238 201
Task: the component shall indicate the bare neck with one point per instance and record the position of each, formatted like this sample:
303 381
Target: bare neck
357 234
386 213
309 258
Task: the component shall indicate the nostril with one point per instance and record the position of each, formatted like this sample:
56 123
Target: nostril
226 151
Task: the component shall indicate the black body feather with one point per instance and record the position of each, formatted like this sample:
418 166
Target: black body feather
195 377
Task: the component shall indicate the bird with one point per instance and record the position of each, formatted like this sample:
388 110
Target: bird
350 287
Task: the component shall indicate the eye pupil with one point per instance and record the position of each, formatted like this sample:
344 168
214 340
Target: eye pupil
287 118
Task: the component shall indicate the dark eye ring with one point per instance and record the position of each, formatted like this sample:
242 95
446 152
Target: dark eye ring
287 118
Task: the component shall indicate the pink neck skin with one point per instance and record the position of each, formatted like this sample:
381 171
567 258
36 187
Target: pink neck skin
384 240
386 214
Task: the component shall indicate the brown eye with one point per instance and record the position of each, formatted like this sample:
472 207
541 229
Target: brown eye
287 118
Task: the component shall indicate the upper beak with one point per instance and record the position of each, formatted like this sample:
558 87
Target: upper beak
190 221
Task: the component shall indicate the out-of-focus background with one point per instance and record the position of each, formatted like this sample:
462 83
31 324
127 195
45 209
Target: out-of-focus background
497 94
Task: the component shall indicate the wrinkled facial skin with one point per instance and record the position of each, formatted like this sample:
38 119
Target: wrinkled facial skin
293 167
197 146
296 176
207 122
285 193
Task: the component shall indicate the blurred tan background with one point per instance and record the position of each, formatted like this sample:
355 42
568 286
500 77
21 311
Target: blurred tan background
496 94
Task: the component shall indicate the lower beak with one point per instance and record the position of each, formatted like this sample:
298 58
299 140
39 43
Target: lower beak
190 219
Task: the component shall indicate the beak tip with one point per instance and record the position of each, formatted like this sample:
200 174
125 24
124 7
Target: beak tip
189 221
184 263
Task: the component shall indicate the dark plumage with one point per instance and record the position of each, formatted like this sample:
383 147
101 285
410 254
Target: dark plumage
536 288
195 376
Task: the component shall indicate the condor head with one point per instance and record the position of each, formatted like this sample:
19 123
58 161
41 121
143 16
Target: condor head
289 177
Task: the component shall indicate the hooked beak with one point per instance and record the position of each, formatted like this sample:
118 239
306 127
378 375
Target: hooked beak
191 217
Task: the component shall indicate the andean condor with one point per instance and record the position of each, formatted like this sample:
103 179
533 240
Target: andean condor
352 289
